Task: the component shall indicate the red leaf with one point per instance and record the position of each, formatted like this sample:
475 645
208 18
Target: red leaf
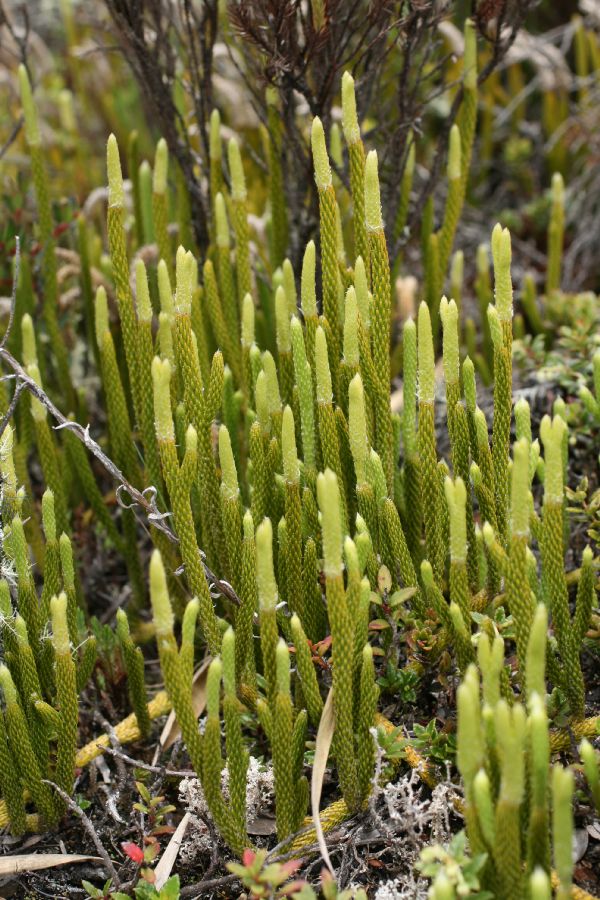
248 856
323 646
148 875
378 625
291 866
133 852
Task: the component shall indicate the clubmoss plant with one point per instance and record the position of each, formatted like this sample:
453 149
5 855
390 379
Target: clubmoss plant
240 220
146 354
454 200
66 696
25 764
341 624
329 439
301 500
327 216
178 678
179 479
49 265
212 762
30 692
44 437
356 155
160 213
279 214
556 231
520 602
405 188
134 664
215 156
430 483
227 293
552 432
500 321
118 252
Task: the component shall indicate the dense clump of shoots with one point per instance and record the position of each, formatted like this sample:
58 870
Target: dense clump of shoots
311 530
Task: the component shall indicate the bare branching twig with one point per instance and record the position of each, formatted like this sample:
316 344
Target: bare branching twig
158 770
87 824
160 41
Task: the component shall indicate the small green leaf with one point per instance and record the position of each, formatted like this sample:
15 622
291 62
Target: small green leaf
384 580
143 792
402 596
170 889
82 803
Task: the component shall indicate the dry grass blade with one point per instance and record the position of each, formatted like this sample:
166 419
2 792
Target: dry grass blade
167 860
171 730
322 747
32 862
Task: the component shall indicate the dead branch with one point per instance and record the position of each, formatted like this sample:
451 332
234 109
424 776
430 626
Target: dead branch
20 39
87 824
154 35
158 770
11 137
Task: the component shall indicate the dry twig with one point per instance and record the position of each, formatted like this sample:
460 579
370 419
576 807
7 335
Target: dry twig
87 824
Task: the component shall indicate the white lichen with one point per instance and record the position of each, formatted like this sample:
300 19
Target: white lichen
410 820
260 799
